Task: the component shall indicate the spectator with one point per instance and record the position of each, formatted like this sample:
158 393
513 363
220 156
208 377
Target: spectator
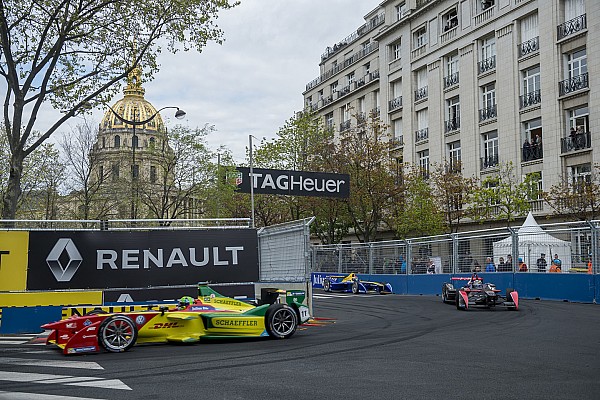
572 135
431 267
476 266
555 266
541 263
522 265
489 265
508 267
556 258
402 264
501 265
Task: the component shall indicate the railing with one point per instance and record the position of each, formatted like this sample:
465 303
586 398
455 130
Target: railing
485 15
573 84
486 65
124 224
395 103
449 34
418 52
422 134
397 141
359 83
452 125
421 3
531 98
570 27
489 161
530 46
368 49
373 75
576 141
361 31
531 152
345 125
361 118
343 91
421 93
451 80
487 113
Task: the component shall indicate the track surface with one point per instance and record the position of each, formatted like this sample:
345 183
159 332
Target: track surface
384 347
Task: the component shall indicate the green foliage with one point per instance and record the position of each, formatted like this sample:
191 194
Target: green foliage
72 55
577 198
503 196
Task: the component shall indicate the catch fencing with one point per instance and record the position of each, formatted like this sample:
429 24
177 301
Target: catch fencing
575 244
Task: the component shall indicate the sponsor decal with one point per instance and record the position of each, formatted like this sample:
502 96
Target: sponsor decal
71 325
295 183
225 301
234 322
140 320
64 273
91 329
87 322
166 325
201 308
88 336
86 349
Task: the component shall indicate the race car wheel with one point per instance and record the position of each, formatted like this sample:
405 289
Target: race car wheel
327 285
281 321
355 287
117 333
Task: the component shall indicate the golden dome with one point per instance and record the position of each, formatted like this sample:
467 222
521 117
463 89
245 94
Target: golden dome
133 107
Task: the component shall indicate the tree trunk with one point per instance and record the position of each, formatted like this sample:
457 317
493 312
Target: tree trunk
13 191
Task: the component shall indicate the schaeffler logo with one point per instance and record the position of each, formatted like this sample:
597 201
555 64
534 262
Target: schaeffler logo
66 272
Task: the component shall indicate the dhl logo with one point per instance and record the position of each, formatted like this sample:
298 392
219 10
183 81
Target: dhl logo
166 325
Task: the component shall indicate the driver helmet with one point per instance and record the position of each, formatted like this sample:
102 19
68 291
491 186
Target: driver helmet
184 302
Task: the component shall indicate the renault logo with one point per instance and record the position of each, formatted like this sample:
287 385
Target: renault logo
66 272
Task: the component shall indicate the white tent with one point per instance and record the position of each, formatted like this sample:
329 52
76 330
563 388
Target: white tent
533 241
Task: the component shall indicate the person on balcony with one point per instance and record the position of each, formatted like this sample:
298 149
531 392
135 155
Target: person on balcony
526 150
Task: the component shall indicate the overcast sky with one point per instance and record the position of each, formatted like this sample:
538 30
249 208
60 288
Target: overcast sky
252 83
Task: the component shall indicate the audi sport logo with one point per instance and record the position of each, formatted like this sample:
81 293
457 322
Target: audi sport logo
64 273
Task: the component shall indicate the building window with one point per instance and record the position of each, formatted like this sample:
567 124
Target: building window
454 156
488 55
532 140
422 132
400 11
424 163
450 19
574 9
421 92
488 102
420 37
451 77
530 42
485 4
153 174
452 114
580 175
576 72
490 149
531 87
350 78
115 172
117 141
329 120
577 136
396 50
135 171
333 87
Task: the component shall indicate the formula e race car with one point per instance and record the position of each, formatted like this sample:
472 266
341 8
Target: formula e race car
476 293
211 315
352 283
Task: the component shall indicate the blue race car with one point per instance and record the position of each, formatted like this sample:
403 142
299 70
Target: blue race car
352 283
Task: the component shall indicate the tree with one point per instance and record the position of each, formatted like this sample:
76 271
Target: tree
364 153
452 192
503 196
576 198
420 214
87 186
71 55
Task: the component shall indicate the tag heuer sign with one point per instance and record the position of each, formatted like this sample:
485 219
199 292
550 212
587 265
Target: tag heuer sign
295 183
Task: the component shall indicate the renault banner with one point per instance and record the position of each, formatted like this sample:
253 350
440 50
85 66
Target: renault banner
81 260
295 183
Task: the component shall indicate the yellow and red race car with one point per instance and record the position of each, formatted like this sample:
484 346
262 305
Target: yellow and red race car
211 315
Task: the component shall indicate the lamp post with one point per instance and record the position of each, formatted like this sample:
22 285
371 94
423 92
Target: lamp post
251 181
179 114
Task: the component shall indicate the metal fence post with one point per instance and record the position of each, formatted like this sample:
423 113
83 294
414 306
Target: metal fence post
454 237
339 250
408 256
370 258
594 249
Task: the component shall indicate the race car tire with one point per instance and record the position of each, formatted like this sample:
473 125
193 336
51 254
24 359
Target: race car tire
117 333
327 285
509 297
281 321
355 287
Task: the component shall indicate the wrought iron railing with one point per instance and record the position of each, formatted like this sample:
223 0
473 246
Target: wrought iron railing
452 125
421 93
570 27
451 80
395 103
486 65
345 125
530 46
487 113
531 98
489 161
422 134
531 152
573 84
576 141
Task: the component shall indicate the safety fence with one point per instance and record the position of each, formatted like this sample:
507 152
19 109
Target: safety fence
529 248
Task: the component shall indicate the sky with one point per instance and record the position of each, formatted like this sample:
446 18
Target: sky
253 82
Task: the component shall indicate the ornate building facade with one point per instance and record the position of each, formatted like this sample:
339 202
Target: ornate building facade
473 83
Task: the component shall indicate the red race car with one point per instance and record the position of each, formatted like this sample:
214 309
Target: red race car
476 293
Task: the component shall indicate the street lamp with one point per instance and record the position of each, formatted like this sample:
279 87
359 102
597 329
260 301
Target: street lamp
179 114
251 180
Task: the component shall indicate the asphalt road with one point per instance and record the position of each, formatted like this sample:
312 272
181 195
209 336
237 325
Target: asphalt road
384 347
